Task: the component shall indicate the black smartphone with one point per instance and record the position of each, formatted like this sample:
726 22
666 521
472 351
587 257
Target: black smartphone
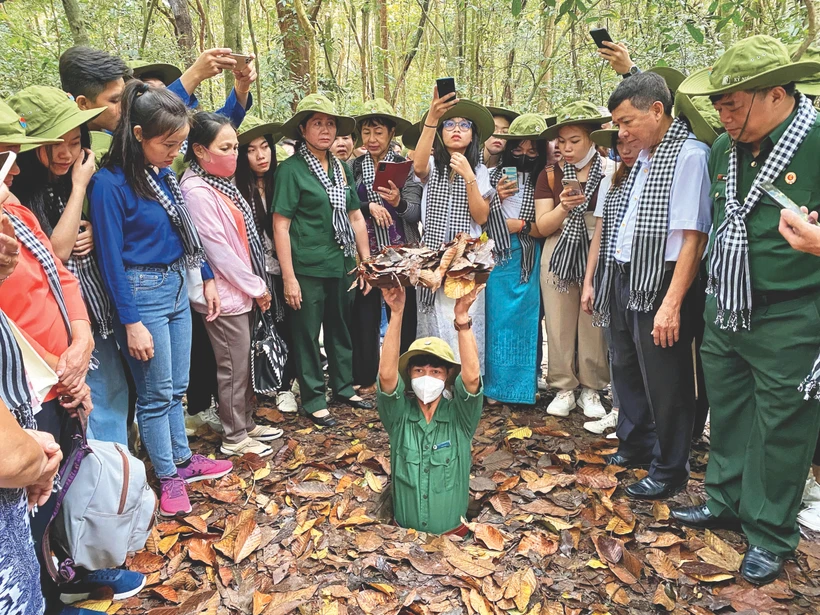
599 35
781 200
445 86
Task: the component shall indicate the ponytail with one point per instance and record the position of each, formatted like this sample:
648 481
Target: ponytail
159 112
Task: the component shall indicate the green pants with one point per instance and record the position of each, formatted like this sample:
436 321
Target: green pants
325 304
763 433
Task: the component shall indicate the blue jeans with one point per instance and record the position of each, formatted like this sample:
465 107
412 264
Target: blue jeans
109 392
162 300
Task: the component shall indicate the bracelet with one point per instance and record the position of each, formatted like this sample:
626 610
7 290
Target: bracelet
471 182
428 126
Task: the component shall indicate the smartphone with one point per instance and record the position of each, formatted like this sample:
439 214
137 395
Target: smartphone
599 35
6 162
445 85
574 185
240 58
511 175
782 201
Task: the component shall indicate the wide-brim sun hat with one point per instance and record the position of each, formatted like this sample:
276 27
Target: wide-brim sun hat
433 346
759 61
551 120
410 137
579 113
317 103
703 118
606 137
167 73
380 108
252 128
503 112
13 129
526 127
49 113
672 76
811 86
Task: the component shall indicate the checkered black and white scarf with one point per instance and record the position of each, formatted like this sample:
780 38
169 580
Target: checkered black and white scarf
368 177
14 389
337 193
729 277
651 229
87 272
447 214
569 260
497 224
178 212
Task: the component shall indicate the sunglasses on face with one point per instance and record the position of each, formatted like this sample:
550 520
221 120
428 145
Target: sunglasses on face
463 125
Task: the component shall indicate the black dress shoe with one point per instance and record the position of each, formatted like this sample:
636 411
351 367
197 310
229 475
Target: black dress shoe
323 421
355 403
650 489
619 459
700 517
760 566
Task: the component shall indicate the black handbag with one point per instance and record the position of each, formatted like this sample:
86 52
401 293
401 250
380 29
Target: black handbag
269 353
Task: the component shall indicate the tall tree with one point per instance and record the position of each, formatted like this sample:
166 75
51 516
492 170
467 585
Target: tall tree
184 28
232 32
385 71
74 16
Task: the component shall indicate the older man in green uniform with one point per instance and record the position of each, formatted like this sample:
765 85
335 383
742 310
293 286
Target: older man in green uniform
431 435
761 318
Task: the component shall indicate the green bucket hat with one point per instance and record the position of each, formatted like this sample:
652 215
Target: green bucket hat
252 127
671 76
581 112
527 126
167 73
50 112
606 137
811 86
756 62
317 103
477 114
13 130
379 107
551 120
508 113
703 118
432 346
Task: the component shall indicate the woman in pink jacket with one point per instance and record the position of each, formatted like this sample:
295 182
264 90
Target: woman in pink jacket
235 251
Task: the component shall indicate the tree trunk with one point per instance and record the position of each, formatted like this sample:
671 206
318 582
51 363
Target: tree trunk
385 71
412 50
256 53
296 52
310 36
184 27
74 16
232 33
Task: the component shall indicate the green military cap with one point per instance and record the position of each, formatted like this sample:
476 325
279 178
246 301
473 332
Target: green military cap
433 346
410 137
525 127
479 115
252 128
581 112
756 62
810 86
671 76
380 108
507 113
551 120
13 129
606 137
317 103
167 73
703 118
50 112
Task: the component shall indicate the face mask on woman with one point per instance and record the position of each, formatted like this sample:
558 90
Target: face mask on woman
221 165
525 164
427 388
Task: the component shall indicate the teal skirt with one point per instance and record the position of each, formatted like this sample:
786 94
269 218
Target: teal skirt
512 308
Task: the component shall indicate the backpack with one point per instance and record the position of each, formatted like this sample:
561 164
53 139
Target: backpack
105 508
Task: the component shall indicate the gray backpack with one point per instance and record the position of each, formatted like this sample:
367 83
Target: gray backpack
105 508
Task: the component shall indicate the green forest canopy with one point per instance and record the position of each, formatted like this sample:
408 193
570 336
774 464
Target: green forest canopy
531 55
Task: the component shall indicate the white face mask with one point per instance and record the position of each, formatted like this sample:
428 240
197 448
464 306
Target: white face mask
582 163
427 388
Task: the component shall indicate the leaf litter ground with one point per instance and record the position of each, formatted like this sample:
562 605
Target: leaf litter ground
308 530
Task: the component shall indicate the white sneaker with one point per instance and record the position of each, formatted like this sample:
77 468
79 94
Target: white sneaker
610 421
542 384
286 402
264 433
211 418
612 436
562 404
810 517
590 401
248 445
811 493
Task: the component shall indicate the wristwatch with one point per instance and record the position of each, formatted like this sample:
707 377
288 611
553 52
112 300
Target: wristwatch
464 327
525 230
633 70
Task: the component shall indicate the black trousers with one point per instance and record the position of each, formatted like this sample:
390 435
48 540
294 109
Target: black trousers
365 332
202 389
284 329
701 400
655 384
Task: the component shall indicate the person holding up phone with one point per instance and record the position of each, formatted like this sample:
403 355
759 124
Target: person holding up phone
385 214
512 295
566 193
456 199
617 54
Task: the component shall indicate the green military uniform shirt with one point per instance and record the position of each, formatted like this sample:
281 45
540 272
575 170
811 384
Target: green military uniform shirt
774 265
299 196
430 462
100 144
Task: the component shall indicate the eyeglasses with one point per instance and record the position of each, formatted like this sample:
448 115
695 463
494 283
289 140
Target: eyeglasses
463 125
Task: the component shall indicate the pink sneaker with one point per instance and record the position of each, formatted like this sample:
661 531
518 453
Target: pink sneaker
202 468
173 499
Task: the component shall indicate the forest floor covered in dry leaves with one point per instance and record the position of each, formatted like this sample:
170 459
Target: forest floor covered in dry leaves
309 530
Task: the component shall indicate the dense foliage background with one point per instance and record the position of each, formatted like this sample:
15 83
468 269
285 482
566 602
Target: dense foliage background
528 54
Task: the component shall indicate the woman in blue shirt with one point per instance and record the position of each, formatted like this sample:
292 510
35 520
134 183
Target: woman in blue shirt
146 243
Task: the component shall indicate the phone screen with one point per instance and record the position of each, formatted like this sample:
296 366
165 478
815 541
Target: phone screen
511 175
445 85
599 35
6 162
781 200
